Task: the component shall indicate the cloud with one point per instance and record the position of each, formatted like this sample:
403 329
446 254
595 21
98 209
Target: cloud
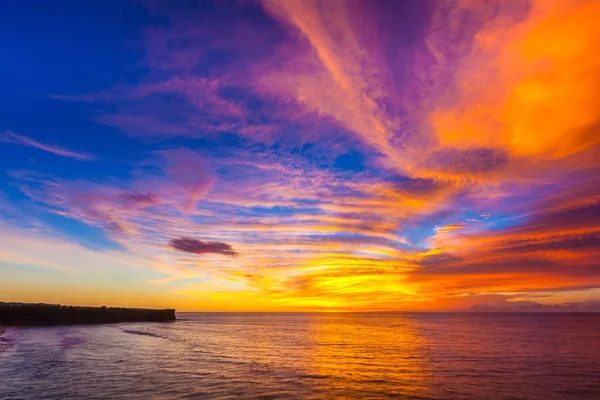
195 246
11 137
55 252
554 247
516 69
356 155
337 75
140 199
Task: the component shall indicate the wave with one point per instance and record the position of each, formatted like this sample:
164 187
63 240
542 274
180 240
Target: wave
143 333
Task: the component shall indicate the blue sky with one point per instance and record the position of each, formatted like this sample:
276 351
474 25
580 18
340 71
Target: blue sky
299 155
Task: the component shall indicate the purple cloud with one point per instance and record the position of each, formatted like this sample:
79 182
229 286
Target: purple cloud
195 246
11 137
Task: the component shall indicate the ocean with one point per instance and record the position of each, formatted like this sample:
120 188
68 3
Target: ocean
309 356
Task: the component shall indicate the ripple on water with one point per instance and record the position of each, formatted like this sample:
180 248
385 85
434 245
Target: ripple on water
269 356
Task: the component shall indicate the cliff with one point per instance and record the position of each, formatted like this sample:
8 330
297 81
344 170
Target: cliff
50 314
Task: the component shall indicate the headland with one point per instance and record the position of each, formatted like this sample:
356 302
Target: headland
28 314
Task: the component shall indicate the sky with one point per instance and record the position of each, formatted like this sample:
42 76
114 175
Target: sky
301 155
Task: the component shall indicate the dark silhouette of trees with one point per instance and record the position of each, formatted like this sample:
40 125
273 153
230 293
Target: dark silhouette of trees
49 314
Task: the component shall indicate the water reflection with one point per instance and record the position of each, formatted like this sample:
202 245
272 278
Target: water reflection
369 355
304 356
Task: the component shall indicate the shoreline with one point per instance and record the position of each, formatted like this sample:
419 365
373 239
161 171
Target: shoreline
26 314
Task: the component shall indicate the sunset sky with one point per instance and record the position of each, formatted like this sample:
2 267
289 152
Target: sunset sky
300 155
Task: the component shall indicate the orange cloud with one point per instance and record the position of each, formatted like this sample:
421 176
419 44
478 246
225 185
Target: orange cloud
528 86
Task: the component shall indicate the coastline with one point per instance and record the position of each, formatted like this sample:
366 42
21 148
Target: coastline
26 314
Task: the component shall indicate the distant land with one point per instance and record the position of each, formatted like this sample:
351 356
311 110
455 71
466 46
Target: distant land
27 314
530 306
